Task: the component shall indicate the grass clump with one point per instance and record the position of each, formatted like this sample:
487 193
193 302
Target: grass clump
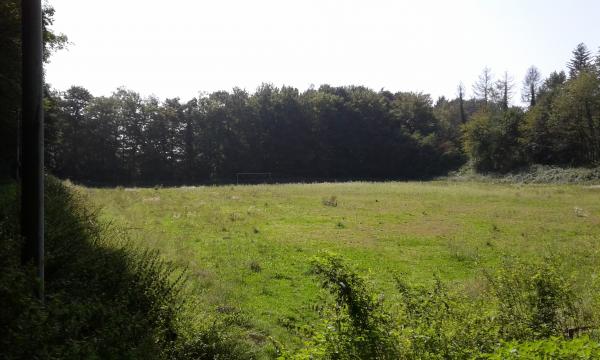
104 297
255 267
330 201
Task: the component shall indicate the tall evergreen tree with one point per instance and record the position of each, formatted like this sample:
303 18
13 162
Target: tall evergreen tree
581 60
598 62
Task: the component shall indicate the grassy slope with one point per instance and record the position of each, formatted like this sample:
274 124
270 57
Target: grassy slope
451 229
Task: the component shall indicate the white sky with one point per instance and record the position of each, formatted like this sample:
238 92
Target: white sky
176 48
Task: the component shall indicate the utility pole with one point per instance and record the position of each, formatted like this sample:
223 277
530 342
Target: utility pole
32 144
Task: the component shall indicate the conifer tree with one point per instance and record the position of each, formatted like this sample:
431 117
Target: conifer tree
581 60
598 62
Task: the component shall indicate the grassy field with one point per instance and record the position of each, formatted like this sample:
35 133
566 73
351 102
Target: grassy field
248 248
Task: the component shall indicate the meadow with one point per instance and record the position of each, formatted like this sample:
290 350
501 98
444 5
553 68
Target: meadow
247 248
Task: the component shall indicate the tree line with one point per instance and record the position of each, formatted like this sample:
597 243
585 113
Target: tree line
560 125
349 132
324 133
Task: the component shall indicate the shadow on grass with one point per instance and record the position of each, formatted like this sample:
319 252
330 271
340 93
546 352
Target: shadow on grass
104 298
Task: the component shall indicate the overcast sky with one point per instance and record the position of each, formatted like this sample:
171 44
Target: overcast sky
177 48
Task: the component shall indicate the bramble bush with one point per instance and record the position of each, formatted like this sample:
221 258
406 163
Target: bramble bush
534 301
555 348
528 312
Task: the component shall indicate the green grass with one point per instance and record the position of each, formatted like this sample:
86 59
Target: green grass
248 248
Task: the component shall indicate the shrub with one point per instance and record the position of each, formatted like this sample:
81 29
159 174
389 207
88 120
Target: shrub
582 348
439 325
104 297
255 267
492 140
526 303
356 327
533 174
534 301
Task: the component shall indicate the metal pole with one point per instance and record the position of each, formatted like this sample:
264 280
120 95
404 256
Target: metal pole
32 183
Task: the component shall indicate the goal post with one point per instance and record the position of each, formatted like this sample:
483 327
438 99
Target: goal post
253 177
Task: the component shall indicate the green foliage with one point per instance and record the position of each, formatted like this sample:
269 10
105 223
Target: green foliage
491 140
582 348
439 325
104 298
429 323
581 61
347 132
527 302
357 327
534 301
10 74
575 120
561 126
452 229
534 174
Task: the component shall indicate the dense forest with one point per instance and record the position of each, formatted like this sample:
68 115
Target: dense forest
325 133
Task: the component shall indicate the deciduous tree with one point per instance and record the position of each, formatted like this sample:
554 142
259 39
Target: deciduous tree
531 85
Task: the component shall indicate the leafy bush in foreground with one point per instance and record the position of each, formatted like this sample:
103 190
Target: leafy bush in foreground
534 302
530 306
439 325
358 327
582 348
104 298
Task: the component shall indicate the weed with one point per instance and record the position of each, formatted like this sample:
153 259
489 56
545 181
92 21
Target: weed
280 276
330 201
255 267
579 212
